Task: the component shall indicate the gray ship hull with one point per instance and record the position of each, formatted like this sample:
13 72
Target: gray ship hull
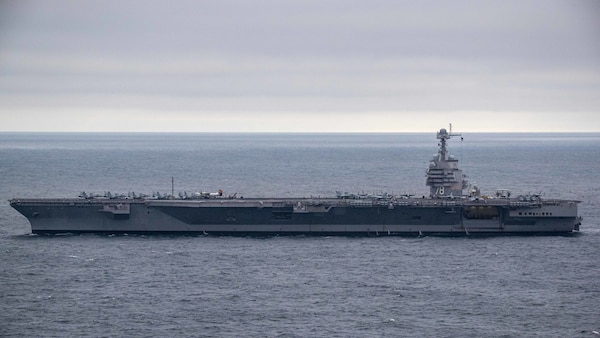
300 216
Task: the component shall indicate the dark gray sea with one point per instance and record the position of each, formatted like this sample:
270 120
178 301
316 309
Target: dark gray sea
196 286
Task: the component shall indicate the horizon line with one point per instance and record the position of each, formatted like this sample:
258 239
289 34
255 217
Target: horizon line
283 132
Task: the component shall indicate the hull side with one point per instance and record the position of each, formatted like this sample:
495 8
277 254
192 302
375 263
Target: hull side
173 217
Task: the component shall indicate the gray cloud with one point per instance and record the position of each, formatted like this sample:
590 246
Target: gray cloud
329 57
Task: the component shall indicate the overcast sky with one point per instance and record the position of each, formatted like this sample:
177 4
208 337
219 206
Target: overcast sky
301 66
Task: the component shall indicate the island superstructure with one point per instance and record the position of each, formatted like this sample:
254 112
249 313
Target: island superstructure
448 210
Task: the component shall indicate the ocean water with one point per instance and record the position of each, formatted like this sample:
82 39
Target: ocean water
193 286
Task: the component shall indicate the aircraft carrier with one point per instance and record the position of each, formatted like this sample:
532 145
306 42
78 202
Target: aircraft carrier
453 207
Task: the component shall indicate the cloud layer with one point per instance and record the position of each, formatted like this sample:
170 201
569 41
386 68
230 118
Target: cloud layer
265 65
